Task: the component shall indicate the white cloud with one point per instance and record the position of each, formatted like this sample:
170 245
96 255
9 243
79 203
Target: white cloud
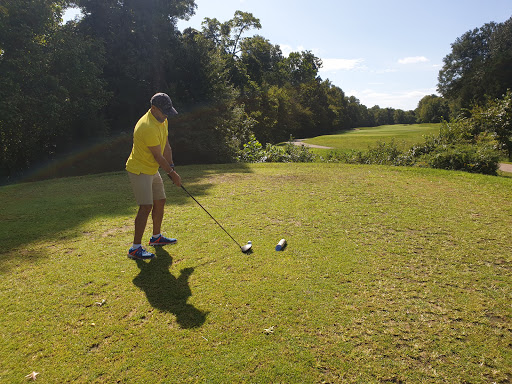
287 49
405 100
413 60
332 65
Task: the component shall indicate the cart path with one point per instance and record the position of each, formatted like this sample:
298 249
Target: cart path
506 167
300 142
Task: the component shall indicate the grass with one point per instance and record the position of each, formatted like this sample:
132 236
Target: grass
390 275
362 138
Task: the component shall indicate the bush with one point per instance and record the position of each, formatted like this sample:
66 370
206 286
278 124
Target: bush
351 157
462 144
253 152
464 157
383 154
290 153
387 154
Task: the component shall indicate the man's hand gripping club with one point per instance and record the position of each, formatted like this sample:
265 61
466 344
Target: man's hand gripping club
176 179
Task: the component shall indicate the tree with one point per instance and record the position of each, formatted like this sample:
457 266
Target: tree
338 106
383 116
302 67
358 115
315 97
49 91
200 74
210 127
432 109
495 117
499 115
228 35
499 74
140 40
261 60
479 66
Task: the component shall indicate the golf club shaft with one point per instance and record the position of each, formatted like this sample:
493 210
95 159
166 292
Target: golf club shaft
188 193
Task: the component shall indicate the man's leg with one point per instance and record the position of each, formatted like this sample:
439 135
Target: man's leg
142 189
158 215
140 222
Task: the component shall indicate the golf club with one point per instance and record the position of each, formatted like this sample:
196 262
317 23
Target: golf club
244 249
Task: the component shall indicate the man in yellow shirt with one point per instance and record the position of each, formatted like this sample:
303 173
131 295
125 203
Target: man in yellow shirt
151 151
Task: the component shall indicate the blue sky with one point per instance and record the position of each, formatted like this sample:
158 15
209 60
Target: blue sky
385 53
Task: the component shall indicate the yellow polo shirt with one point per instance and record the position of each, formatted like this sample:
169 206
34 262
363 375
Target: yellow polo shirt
148 132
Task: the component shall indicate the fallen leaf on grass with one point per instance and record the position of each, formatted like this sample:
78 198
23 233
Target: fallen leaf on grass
32 376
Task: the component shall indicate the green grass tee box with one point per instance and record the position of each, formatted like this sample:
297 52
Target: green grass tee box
390 275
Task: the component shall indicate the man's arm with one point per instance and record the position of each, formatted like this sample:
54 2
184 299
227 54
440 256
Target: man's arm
168 154
164 163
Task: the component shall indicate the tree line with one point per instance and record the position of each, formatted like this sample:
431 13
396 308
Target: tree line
66 86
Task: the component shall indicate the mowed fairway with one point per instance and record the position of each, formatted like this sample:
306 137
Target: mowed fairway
390 275
404 135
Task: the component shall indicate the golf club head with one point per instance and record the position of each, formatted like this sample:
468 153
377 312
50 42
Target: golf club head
246 248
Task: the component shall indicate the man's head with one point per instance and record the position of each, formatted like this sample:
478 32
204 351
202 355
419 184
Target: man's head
164 104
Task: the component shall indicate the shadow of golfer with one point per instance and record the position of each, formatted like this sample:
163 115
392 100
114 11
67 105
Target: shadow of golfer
166 292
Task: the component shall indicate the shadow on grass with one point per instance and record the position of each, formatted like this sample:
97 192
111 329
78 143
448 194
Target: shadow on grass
166 292
53 211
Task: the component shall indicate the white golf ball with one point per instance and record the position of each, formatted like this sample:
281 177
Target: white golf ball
249 242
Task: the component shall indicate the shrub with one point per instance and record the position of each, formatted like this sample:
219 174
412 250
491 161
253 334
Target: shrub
464 157
383 153
253 152
351 157
297 154
387 154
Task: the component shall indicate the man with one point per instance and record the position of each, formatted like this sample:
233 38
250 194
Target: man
150 151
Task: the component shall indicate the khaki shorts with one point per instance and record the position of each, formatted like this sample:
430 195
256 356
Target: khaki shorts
147 188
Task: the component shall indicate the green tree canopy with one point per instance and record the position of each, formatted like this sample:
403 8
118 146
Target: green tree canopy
140 40
261 60
228 35
432 109
50 91
479 65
